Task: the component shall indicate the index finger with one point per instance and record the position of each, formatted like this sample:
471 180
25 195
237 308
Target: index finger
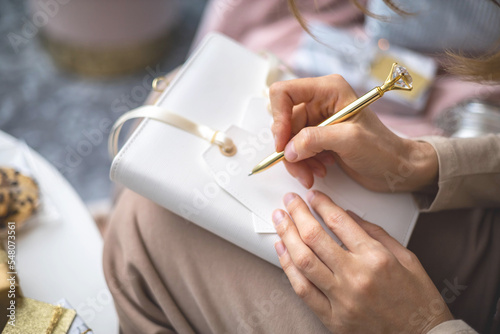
312 233
342 224
284 95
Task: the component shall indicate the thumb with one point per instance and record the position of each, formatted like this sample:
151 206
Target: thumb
313 140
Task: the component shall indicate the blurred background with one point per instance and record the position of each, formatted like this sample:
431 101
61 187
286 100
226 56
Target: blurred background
63 81
68 70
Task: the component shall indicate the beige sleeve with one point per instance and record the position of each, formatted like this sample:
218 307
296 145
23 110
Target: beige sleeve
452 327
469 173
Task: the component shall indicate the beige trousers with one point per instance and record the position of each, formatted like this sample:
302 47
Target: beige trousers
168 275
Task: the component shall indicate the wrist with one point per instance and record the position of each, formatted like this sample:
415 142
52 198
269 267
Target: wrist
424 161
436 321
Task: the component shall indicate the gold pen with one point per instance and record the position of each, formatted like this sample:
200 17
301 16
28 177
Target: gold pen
398 79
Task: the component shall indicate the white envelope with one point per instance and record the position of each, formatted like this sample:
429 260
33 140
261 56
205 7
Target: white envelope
222 85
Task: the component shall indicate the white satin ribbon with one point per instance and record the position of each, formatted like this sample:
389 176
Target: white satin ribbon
163 115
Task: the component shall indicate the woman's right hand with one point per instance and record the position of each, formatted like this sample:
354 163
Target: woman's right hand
364 148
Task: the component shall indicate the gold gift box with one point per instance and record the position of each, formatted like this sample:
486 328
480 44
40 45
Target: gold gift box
35 317
25 315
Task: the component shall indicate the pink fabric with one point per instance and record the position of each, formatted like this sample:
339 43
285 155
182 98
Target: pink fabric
269 25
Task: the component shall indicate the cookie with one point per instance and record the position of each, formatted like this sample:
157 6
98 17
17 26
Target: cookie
4 201
19 196
23 207
14 178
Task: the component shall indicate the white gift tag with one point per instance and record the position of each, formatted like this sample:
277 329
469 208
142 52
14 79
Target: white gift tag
261 226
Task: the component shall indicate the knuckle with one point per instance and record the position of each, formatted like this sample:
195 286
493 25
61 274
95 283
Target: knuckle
277 88
279 120
275 126
355 131
349 307
334 219
364 284
364 247
342 83
287 267
301 289
338 78
409 258
312 235
305 262
376 231
381 261
308 137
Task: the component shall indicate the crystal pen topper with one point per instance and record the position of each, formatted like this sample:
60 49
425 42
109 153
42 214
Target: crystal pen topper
398 79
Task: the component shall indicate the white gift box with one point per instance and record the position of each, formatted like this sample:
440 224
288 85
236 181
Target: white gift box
222 86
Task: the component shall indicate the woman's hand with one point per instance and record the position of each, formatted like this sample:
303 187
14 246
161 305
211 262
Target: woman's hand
369 152
375 286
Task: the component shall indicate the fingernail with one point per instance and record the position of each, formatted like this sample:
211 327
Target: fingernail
288 198
310 195
278 216
303 182
290 153
354 216
280 248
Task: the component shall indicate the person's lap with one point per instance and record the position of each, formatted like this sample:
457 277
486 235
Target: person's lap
165 272
191 279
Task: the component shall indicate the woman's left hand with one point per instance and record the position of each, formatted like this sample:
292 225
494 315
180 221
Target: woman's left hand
375 286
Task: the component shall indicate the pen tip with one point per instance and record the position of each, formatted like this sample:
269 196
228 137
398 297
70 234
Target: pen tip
250 174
